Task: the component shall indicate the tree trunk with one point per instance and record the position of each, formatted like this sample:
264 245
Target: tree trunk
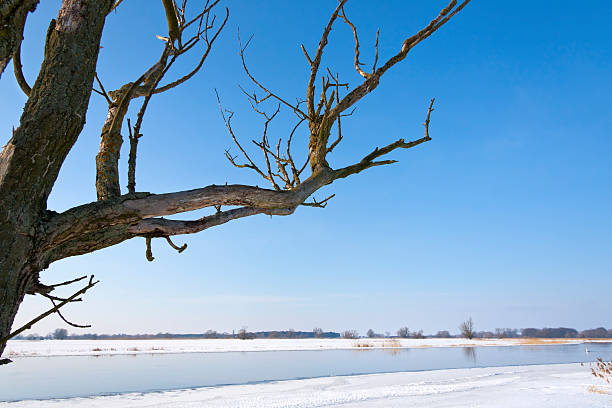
14 277
51 122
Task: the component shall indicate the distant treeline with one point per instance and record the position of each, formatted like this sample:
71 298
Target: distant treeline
548 333
563 332
559 332
62 334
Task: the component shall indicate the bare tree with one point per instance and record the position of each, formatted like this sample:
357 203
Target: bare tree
403 332
371 334
350 334
60 334
317 332
32 237
467 329
211 334
418 335
243 334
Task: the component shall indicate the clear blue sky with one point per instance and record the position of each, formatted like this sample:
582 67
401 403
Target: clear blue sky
504 216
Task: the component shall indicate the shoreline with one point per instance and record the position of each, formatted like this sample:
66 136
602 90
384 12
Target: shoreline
58 348
559 385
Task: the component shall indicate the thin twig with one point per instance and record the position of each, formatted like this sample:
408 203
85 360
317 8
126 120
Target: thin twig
29 324
80 326
319 204
295 109
103 93
177 248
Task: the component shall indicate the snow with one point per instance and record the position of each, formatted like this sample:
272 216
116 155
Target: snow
30 348
559 386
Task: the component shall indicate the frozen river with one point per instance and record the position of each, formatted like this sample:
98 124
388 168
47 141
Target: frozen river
84 376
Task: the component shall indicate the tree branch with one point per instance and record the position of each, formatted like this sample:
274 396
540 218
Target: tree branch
294 108
107 160
13 15
314 69
171 18
103 91
54 309
368 161
108 223
161 227
100 224
200 63
372 81
17 68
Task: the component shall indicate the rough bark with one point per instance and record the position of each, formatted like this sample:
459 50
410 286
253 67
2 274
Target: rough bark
52 119
107 159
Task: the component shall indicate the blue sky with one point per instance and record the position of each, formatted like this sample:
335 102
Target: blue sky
504 216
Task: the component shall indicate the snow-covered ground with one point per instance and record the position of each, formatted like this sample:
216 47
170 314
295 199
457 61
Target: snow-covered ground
27 348
558 386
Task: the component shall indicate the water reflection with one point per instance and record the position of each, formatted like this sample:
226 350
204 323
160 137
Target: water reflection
470 354
395 351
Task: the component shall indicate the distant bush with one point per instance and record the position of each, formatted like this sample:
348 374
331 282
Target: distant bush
350 334
443 334
484 335
502 333
373 335
210 334
403 332
60 334
418 335
244 335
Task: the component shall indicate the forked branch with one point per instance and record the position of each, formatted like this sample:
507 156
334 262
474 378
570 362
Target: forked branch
368 161
107 167
54 309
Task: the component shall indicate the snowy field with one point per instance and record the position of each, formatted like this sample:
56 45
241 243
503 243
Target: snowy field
29 348
558 386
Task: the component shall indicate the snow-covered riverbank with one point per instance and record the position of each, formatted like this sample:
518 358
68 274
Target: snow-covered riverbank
28 348
559 386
